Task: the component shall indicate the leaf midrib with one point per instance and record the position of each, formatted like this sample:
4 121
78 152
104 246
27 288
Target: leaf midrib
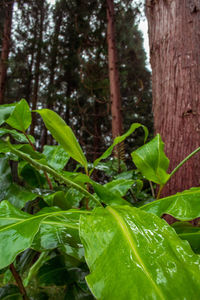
32 218
129 239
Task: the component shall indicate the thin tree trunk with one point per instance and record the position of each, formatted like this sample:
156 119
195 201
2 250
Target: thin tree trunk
175 51
116 110
5 48
37 67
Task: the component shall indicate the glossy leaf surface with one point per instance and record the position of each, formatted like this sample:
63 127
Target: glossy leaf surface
151 161
107 196
18 229
53 272
58 230
20 118
56 156
135 255
120 139
5 111
20 137
190 233
183 206
63 134
119 186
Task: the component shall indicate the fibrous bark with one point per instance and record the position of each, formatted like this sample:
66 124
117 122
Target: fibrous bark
5 47
174 33
113 73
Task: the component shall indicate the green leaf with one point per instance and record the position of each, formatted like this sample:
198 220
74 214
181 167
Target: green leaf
42 167
134 255
56 156
18 229
19 196
58 230
5 111
119 186
120 139
189 233
5 177
151 161
12 192
53 272
10 292
183 206
20 137
107 196
63 134
20 118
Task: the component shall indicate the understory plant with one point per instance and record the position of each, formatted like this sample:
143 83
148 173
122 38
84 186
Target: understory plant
64 233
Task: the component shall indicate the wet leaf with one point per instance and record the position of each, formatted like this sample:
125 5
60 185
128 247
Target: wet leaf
136 255
151 161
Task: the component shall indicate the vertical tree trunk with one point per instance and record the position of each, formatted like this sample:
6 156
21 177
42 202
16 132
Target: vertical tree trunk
113 73
175 51
5 48
37 66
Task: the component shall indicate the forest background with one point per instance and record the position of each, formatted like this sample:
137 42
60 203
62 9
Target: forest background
58 59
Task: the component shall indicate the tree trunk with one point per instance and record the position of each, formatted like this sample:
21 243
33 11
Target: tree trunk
116 110
5 48
175 49
37 66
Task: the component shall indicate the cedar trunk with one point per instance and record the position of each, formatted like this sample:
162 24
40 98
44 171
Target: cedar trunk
113 73
175 59
5 48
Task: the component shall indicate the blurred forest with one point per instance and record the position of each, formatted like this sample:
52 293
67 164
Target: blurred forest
58 59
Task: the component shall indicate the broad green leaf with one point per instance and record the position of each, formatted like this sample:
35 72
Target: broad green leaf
151 161
19 196
190 233
12 192
120 139
183 206
60 231
5 111
56 156
42 167
20 137
5 177
119 186
63 134
20 118
58 199
134 255
107 196
18 229
10 292
53 272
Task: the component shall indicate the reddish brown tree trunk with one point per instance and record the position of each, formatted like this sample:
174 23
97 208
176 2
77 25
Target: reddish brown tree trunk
174 32
113 73
5 48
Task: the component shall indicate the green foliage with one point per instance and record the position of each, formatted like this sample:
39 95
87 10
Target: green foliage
63 135
59 227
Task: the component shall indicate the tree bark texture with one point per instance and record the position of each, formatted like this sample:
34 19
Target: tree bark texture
5 47
116 110
174 37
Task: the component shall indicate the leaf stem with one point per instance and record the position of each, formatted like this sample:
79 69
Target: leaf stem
19 282
56 175
183 161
